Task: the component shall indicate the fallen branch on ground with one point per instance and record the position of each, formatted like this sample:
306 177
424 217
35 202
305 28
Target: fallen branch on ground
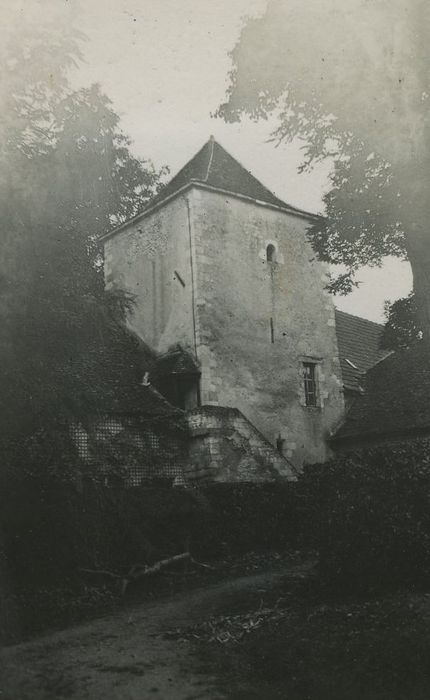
204 566
138 571
101 572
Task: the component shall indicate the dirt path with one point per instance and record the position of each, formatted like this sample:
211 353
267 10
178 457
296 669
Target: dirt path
125 656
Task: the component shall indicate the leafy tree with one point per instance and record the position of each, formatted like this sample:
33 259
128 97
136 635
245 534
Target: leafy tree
368 515
351 80
402 327
68 175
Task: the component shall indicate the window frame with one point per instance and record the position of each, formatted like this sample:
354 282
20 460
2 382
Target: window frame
272 252
310 383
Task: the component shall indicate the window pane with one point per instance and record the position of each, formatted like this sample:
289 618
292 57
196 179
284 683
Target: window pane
310 384
270 253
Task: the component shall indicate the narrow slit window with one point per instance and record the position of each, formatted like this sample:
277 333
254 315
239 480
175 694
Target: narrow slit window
272 331
271 253
310 384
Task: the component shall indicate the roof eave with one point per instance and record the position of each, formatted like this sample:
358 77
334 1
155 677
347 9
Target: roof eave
293 211
353 388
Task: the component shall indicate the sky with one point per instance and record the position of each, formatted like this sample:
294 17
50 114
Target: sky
164 64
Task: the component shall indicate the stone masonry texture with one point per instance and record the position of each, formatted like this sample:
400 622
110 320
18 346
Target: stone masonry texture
250 323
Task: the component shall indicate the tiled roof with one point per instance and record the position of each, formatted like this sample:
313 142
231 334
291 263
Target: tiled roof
358 341
124 391
136 399
214 167
146 400
396 398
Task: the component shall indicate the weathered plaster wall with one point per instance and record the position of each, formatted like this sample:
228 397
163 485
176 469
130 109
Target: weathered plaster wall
238 293
231 299
148 259
224 446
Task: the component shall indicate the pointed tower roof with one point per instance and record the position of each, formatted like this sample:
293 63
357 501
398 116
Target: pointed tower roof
215 169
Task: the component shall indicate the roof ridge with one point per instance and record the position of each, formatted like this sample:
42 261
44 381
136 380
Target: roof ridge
211 156
360 318
184 167
251 174
388 354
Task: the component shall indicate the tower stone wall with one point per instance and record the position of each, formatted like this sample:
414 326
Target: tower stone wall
151 260
259 321
198 267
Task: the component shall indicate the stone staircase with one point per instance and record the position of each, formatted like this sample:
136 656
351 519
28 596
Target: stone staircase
225 446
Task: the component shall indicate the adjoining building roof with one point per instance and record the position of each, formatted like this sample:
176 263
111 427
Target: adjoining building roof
136 399
129 388
396 398
359 347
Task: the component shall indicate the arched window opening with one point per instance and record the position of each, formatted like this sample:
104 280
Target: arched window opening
271 253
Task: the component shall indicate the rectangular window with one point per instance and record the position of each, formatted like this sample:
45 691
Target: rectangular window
309 378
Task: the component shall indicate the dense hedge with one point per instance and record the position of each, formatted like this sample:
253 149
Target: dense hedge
369 516
243 517
51 531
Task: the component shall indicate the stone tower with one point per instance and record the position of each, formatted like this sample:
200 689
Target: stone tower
221 266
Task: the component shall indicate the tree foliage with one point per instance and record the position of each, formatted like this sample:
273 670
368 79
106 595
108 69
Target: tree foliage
351 80
367 515
68 175
402 327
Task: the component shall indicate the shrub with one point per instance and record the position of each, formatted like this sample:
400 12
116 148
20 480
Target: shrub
244 517
50 531
369 516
